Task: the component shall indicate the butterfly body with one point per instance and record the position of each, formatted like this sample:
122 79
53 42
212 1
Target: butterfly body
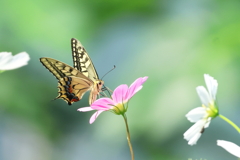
74 82
96 89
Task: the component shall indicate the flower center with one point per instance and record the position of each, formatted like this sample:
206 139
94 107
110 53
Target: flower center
212 109
119 109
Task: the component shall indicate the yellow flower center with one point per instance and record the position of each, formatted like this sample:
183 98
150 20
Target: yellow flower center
212 109
119 109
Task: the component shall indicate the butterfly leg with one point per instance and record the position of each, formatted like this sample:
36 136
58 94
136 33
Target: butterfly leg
107 89
103 94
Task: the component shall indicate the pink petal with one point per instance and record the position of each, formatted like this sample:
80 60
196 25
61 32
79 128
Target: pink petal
102 104
120 93
94 116
85 109
144 79
135 87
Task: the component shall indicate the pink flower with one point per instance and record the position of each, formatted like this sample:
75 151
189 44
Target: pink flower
119 101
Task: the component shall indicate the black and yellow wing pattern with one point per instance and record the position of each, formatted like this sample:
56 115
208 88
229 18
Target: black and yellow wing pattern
74 82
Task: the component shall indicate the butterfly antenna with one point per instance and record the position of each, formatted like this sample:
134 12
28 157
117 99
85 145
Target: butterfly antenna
105 88
108 72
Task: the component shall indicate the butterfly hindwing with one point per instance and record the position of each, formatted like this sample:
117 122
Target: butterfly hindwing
71 89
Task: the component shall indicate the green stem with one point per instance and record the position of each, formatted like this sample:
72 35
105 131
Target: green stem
230 122
128 136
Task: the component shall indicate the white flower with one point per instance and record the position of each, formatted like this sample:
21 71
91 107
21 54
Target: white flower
202 116
230 147
8 62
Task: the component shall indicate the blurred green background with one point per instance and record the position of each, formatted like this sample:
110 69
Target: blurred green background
173 42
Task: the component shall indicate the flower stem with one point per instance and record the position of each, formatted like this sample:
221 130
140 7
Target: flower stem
128 136
230 122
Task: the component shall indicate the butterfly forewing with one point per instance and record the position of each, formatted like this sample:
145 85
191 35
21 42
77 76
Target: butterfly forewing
82 61
60 69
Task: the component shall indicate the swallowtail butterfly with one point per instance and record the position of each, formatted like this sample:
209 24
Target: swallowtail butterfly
74 81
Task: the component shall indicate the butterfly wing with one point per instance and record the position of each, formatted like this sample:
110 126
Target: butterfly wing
71 89
60 69
83 63
72 83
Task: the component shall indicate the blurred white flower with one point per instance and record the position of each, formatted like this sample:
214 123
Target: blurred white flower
202 116
9 62
230 147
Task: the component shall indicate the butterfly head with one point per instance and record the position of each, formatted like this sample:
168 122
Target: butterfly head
99 84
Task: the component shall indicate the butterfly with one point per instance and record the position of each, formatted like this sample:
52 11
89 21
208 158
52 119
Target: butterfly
74 82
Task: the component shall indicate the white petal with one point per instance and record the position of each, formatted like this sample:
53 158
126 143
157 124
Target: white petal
196 128
194 139
9 62
194 133
230 147
85 109
5 57
196 114
94 116
212 85
208 122
203 95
